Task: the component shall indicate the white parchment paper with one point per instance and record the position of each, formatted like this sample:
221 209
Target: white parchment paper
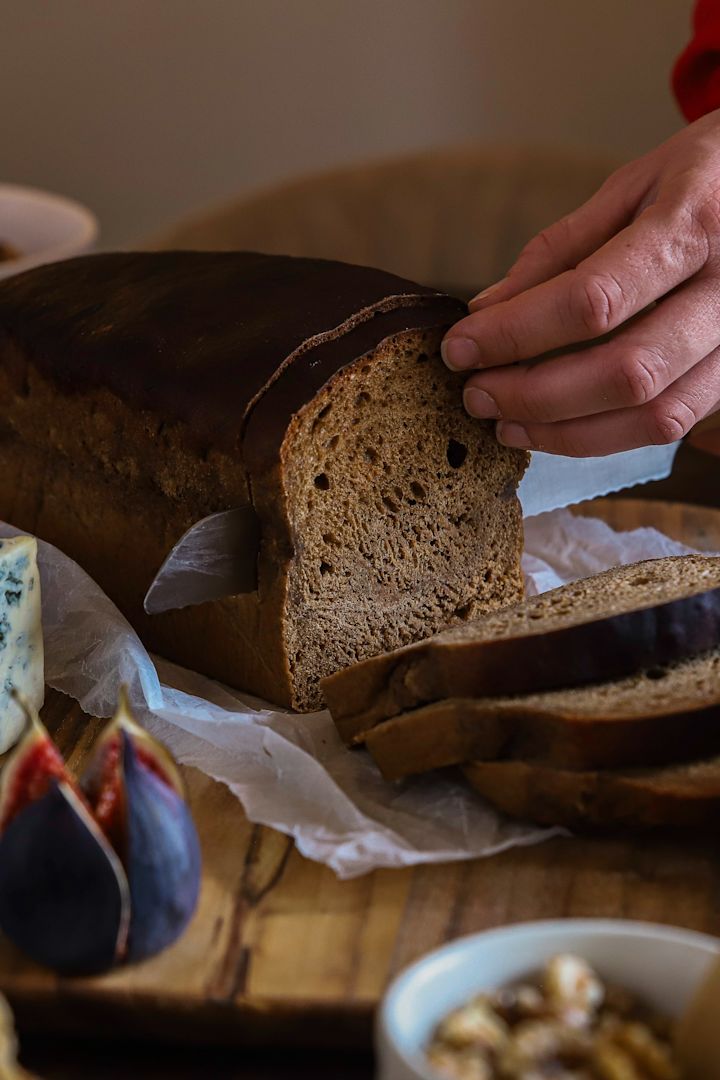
292 772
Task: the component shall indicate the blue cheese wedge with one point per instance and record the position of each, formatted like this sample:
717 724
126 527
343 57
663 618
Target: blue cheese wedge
21 640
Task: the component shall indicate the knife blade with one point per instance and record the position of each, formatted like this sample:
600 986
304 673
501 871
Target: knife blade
552 481
217 556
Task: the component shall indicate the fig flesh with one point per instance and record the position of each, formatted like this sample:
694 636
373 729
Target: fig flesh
101 872
102 780
30 768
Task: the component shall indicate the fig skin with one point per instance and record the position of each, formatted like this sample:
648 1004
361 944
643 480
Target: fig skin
64 896
162 859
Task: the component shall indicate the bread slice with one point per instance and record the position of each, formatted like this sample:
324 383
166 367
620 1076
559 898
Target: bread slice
601 628
683 796
141 392
650 718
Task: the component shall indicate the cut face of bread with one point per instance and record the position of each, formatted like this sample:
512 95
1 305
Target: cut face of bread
598 629
683 796
401 512
650 718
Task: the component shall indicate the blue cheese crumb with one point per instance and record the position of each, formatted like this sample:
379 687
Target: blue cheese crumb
21 642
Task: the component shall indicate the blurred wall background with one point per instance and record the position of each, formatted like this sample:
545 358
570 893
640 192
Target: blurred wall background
149 109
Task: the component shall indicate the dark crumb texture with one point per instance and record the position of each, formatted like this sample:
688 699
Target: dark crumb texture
403 513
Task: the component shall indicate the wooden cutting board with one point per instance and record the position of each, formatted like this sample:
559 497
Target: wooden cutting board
280 951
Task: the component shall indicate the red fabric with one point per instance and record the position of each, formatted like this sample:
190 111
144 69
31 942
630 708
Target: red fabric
696 76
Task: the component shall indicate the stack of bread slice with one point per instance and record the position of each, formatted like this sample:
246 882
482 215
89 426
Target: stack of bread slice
597 703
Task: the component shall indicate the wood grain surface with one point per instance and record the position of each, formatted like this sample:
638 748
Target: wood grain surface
282 952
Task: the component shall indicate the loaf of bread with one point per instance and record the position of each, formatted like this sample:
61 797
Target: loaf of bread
683 796
600 628
141 392
665 714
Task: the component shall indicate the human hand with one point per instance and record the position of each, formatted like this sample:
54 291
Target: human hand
651 233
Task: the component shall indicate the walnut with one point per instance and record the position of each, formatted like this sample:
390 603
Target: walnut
476 1025
573 988
572 1029
537 1043
452 1065
611 1062
653 1058
522 1002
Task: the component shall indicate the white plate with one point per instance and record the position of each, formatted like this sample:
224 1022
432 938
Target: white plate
663 965
43 227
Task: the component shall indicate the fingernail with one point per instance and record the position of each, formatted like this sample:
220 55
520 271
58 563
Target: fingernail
485 293
512 434
460 353
479 404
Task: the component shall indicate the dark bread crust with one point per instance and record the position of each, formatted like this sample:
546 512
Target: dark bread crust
161 329
572 656
458 730
682 796
314 366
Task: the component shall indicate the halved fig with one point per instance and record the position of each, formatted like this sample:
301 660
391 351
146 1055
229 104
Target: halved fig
93 877
64 896
31 767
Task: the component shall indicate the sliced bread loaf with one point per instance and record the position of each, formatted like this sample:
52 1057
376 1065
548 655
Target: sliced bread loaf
647 719
140 392
686 796
601 628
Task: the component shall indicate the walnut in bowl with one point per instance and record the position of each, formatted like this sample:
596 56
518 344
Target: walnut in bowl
566 1024
660 967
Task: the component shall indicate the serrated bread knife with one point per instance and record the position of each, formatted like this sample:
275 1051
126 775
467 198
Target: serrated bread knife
217 556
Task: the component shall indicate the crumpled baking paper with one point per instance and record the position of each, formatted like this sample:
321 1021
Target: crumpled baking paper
292 772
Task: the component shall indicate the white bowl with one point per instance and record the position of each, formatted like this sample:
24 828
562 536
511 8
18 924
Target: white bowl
43 227
663 965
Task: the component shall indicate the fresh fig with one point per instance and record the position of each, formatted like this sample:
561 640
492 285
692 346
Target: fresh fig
101 872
